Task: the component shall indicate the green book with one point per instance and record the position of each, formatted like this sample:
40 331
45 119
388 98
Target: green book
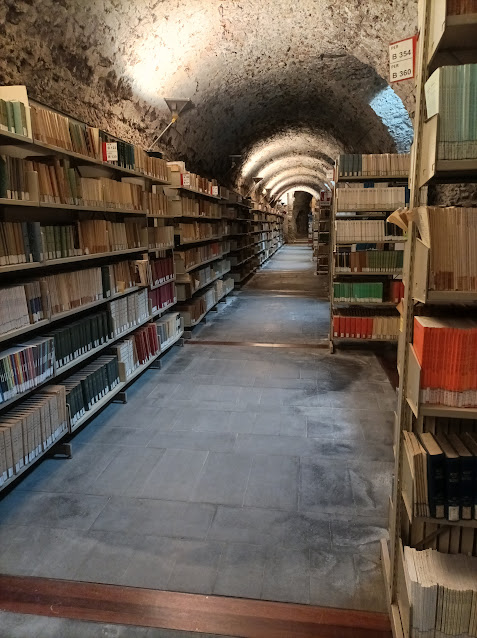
10 117
17 117
3 115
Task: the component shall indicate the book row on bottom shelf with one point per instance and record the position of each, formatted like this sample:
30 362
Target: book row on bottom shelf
363 324
196 308
28 430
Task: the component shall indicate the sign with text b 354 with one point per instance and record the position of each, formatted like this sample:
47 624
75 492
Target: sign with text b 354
402 55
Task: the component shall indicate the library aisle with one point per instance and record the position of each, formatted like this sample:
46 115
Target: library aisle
236 470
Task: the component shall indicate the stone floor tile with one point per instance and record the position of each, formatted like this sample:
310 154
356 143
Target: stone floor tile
287 576
224 479
196 566
176 475
240 572
273 483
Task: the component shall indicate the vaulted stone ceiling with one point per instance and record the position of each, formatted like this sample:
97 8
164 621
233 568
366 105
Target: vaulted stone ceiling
287 86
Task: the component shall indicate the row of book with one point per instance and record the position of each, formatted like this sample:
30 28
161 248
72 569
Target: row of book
368 292
445 474
156 202
197 279
136 350
18 180
366 325
180 176
191 257
169 327
450 92
445 350
89 237
13 117
88 386
369 261
29 429
160 237
189 206
161 270
162 297
370 199
443 593
29 242
359 231
61 131
198 231
33 301
25 366
378 165
129 311
453 238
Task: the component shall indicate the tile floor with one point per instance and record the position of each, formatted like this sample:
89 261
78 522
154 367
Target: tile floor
240 471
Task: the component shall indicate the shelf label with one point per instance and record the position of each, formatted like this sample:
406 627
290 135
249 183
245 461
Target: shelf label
215 190
402 55
111 151
186 179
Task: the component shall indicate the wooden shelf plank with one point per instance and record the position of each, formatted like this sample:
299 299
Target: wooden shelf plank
162 283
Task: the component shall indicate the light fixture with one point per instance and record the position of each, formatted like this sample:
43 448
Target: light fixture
176 106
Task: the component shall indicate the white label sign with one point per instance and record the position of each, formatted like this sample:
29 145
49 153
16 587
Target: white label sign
111 151
215 190
401 59
186 179
330 174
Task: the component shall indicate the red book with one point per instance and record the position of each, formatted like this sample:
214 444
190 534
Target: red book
352 327
336 321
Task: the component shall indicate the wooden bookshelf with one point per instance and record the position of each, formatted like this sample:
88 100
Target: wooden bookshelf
443 40
350 213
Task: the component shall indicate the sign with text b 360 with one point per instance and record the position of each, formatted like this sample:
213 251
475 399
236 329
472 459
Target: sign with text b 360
402 55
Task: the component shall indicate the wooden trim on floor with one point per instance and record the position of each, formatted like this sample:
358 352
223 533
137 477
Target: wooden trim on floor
186 612
257 344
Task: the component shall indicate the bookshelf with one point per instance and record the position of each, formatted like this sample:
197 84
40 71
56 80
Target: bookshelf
365 251
322 223
432 509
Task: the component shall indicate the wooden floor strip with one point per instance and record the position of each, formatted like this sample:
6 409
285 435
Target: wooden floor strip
186 612
256 344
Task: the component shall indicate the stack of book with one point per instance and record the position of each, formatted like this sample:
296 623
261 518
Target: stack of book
17 179
168 327
20 243
196 256
161 270
88 386
162 297
379 165
445 350
445 471
362 324
370 199
443 591
450 92
363 260
28 430
160 237
25 366
453 241
127 312
359 231
156 203
80 337
13 117
197 307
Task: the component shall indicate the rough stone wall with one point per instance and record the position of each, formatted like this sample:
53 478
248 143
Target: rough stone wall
254 69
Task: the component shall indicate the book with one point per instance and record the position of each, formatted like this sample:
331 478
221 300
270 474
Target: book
18 179
436 480
136 350
161 269
22 305
25 366
162 297
160 237
168 327
452 476
194 257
